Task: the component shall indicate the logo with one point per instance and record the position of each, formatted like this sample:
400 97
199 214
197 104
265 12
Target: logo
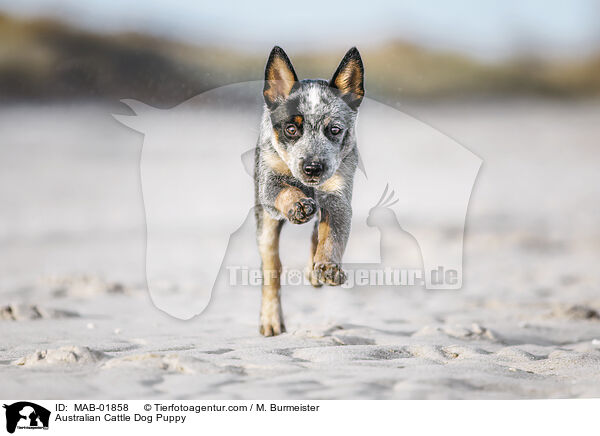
26 415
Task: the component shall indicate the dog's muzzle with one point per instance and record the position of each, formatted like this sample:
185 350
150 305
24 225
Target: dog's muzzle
313 169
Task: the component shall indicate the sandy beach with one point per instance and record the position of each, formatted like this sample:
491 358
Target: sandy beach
77 321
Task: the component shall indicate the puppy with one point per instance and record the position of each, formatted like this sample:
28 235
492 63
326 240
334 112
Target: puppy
305 162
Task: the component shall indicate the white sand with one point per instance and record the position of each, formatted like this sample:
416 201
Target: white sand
80 323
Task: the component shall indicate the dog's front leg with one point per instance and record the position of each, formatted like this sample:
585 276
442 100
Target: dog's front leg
271 316
279 201
332 236
295 205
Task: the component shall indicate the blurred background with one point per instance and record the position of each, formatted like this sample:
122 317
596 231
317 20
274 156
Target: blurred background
165 52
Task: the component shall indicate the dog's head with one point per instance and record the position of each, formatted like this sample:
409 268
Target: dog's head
312 121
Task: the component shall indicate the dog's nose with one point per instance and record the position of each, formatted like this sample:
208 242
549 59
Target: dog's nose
313 169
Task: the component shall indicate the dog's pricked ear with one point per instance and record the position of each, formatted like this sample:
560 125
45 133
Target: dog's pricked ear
349 78
280 77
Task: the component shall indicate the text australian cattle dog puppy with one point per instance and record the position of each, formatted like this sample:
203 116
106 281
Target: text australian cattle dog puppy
306 158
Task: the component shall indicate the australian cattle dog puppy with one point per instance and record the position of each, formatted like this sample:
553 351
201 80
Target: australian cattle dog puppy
306 158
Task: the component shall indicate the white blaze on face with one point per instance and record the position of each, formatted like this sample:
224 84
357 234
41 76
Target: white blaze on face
314 98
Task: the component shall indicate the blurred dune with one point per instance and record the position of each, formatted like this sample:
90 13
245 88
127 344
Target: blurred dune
44 59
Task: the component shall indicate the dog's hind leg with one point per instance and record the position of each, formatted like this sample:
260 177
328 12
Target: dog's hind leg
268 231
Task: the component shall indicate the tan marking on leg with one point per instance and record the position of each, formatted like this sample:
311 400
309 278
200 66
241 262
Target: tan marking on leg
327 268
276 163
314 240
271 317
287 197
324 245
335 183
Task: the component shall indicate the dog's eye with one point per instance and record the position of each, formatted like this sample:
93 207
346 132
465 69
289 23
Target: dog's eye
335 130
291 130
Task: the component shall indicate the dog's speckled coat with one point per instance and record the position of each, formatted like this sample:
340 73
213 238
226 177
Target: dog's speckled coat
305 122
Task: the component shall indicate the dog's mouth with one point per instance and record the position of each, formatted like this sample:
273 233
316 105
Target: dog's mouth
312 182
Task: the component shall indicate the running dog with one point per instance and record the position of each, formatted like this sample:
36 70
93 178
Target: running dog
305 162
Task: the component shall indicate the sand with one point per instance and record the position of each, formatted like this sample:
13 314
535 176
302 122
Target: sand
76 320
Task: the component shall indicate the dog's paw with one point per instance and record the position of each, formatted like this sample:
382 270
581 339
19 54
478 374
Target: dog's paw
271 324
310 275
302 211
329 273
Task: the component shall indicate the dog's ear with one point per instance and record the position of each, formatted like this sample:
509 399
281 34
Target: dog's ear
349 78
280 77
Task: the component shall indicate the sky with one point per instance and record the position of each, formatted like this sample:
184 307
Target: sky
485 29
